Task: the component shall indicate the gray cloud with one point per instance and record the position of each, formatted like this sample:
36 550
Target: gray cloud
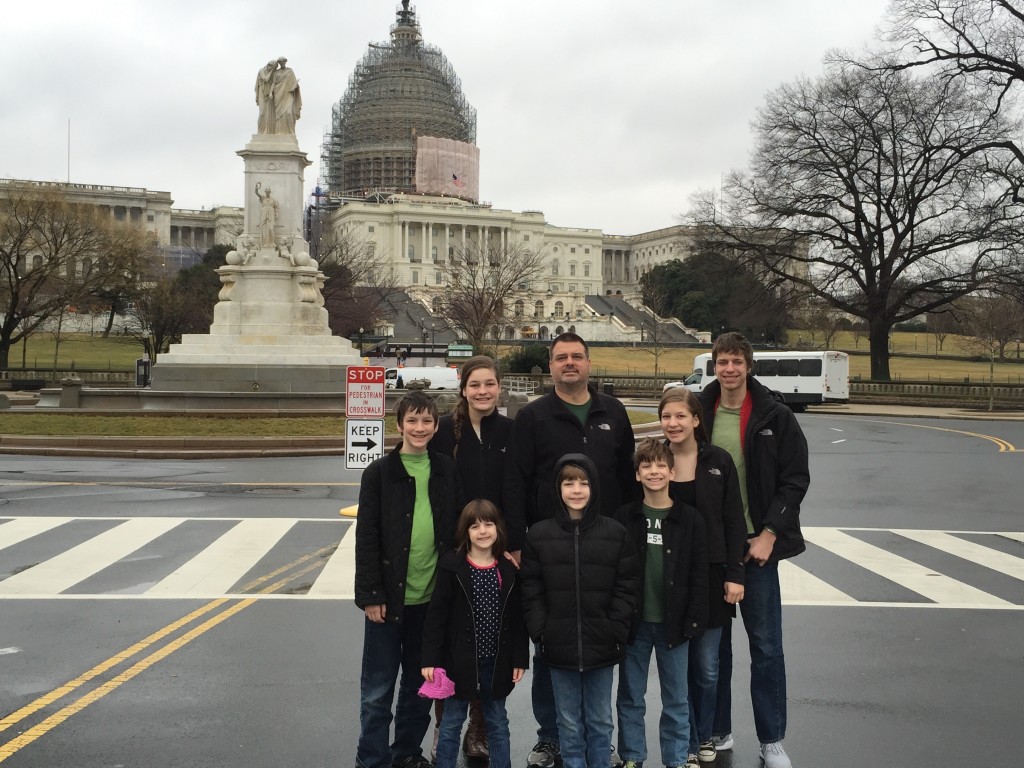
602 114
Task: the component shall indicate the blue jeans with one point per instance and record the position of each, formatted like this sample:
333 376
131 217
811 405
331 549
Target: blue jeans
583 702
703 685
495 718
674 726
543 700
761 609
386 648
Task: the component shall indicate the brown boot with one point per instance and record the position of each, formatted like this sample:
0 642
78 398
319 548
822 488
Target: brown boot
475 742
438 714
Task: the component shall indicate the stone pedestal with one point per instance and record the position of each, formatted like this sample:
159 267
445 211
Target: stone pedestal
269 331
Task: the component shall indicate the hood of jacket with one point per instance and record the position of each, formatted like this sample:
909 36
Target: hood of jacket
593 508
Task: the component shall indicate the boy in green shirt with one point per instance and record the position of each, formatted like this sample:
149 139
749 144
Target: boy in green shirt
406 519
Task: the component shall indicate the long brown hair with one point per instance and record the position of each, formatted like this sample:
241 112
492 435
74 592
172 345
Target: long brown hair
692 403
461 415
480 511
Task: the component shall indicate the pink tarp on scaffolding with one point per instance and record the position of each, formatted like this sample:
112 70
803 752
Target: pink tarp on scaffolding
447 167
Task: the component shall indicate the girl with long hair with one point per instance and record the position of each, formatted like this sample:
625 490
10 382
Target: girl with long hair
477 437
704 475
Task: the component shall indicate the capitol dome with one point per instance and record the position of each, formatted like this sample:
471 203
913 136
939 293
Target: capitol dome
400 90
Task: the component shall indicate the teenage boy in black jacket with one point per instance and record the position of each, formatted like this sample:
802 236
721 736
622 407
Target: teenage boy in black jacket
580 588
770 452
669 537
405 521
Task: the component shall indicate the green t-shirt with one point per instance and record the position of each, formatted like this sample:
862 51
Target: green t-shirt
654 567
419 579
579 411
726 434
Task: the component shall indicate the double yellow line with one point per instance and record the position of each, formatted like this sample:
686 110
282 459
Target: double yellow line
262 585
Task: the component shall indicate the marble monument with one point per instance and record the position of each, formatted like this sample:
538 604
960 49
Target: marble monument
269 331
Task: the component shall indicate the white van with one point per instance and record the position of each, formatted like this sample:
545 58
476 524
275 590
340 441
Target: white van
800 377
438 376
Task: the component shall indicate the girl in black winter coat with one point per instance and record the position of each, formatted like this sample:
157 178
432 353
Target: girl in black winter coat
475 631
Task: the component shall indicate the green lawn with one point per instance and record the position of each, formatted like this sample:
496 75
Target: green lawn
155 425
119 353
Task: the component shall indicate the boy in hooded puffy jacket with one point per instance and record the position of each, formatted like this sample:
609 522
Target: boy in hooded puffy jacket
580 587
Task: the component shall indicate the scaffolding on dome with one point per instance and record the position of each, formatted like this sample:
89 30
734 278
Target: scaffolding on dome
399 90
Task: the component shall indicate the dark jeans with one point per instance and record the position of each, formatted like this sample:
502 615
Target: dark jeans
761 610
387 648
543 700
495 718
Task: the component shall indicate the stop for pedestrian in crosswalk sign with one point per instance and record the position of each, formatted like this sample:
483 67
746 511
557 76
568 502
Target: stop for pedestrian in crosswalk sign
364 442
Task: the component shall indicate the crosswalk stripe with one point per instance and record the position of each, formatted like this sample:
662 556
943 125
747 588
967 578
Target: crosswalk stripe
22 528
802 588
90 557
217 568
338 576
906 573
969 550
1015 536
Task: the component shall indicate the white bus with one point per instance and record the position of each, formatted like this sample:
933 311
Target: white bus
800 377
439 377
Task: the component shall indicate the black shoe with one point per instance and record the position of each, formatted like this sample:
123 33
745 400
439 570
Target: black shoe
411 761
545 754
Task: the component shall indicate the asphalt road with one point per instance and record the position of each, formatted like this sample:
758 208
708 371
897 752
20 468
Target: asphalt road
176 613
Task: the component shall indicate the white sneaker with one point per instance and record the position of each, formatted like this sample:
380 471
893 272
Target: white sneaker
722 743
774 756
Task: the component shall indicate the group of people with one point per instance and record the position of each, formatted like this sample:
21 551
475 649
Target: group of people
479 534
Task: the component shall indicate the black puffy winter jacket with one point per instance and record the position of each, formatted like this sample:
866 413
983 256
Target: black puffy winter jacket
581 583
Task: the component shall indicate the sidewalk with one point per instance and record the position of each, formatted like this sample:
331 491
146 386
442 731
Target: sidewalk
258 447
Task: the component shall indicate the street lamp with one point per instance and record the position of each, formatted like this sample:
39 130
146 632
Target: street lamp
360 341
424 346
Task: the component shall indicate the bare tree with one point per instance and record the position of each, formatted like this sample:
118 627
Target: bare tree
940 324
54 255
653 336
868 191
161 311
979 40
994 321
358 281
480 284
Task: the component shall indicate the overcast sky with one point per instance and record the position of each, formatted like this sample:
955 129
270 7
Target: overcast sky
600 114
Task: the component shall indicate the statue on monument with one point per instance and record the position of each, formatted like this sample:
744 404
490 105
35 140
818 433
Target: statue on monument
278 98
269 210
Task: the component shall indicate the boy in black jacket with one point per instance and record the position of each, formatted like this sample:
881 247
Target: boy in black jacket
669 537
405 521
580 588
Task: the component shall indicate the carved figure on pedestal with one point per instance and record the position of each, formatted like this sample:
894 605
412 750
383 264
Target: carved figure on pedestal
269 210
278 98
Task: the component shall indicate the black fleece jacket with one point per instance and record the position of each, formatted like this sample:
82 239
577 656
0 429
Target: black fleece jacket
717 488
484 467
775 455
448 636
546 430
387 495
685 572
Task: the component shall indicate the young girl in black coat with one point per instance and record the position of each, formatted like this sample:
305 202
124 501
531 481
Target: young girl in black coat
475 631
